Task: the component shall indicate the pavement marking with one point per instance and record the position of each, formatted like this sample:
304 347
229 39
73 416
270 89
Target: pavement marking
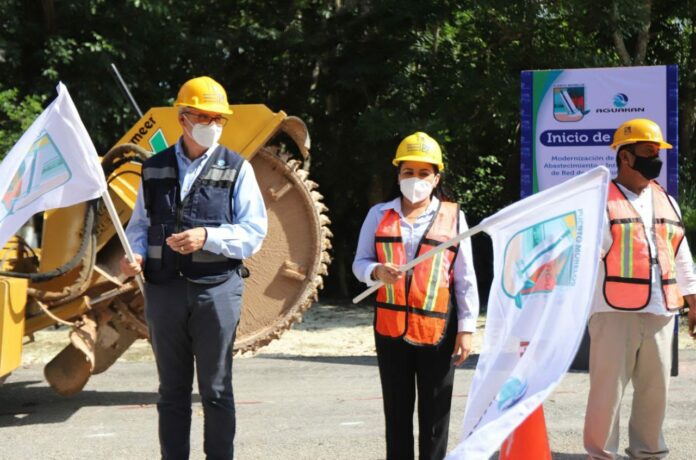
137 406
100 435
352 423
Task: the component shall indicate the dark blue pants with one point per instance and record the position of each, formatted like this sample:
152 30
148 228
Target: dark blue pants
405 369
189 323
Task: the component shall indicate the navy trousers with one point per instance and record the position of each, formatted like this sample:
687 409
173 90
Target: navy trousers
403 369
189 324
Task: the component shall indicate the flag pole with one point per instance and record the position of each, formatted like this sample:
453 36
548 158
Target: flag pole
122 235
439 248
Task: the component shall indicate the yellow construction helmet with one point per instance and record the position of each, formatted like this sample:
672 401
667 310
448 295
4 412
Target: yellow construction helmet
203 93
419 147
639 130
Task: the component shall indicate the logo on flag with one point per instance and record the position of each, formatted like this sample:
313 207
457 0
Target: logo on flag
541 257
569 102
512 392
42 171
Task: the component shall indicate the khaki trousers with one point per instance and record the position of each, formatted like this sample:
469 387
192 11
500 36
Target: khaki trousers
628 346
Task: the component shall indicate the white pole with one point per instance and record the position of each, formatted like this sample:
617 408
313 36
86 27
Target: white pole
122 235
439 248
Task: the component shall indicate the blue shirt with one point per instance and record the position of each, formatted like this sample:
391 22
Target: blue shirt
237 241
464 281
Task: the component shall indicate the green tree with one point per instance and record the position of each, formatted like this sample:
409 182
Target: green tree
16 115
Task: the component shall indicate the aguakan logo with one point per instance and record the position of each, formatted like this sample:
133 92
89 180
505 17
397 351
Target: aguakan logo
619 103
569 102
42 170
620 100
542 257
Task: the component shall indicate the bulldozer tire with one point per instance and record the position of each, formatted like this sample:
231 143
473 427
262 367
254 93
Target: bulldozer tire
287 271
68 372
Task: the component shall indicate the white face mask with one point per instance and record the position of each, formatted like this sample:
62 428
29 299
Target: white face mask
205 135
415 190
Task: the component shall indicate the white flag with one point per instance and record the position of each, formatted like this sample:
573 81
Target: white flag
54 164
546 251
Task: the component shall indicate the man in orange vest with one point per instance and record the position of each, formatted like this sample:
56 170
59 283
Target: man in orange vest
647 268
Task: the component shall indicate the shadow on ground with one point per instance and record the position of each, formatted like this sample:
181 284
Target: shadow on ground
470 363
32 403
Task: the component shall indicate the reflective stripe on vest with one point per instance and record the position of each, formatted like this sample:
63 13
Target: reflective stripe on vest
166 172
421 316
219 177
628 279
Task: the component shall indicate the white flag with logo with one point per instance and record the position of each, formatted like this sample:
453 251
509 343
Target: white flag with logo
54 164
546 250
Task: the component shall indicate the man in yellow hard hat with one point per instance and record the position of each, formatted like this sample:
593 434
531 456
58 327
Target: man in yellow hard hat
198 214
647 269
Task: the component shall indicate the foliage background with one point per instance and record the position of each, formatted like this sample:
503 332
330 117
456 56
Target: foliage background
362 74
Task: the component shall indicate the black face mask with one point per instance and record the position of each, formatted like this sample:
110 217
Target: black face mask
648 167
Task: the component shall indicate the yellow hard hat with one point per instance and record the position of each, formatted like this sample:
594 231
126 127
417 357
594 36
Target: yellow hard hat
639 130
203 93
419 147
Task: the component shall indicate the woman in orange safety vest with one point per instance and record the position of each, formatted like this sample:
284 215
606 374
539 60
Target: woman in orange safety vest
424 319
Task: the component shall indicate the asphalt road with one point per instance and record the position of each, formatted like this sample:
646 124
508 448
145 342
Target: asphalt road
287 408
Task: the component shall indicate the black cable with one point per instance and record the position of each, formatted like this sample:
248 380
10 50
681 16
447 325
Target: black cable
121 154
87 229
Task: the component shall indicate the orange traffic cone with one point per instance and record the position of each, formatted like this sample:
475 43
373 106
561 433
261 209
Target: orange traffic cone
529 440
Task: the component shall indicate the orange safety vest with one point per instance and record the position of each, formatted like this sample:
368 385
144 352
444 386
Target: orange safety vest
419 317
628 279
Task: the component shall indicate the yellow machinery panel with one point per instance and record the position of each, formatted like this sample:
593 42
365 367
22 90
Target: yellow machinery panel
57 247
13 296
123 188
248 128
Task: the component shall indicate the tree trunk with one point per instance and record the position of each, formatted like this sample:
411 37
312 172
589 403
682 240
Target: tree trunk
643 33
688 122
617 37
49 16
642 37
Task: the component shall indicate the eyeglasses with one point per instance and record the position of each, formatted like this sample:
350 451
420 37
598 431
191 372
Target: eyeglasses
203 119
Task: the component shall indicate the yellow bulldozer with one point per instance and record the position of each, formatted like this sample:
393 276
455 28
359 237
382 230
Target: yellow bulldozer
72 276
